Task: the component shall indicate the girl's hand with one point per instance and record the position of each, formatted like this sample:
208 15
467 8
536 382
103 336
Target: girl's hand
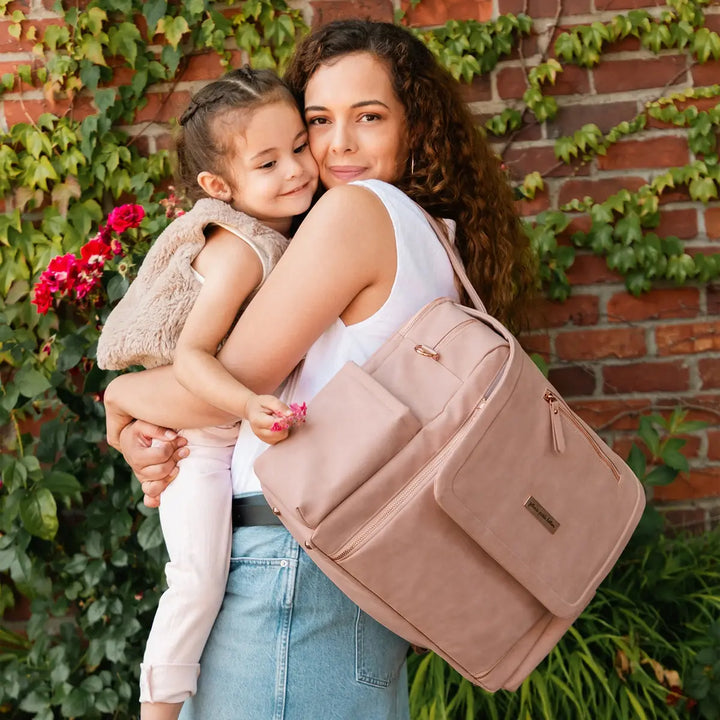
153 453
263 412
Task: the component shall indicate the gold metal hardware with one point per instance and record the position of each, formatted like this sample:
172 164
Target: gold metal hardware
539 512
426 351
276 510
308 545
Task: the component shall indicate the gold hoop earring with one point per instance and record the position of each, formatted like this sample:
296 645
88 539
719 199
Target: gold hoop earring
412 163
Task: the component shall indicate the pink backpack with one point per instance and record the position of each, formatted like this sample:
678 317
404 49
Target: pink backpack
449 491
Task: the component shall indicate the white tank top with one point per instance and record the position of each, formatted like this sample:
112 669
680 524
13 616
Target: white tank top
423 273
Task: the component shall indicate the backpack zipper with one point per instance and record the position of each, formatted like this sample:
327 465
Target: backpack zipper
556 407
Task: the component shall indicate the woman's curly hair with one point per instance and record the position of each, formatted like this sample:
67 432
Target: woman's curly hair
451 170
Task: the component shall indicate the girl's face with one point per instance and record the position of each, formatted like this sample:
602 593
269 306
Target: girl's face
272 174
356 123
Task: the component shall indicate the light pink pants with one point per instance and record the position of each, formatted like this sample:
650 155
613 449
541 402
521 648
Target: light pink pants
195 516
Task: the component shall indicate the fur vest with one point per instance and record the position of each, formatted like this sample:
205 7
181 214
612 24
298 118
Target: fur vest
145 325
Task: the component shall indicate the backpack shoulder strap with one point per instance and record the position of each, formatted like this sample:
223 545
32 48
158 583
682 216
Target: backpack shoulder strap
455 260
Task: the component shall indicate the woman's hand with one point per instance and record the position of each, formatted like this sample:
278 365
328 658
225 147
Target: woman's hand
263 412
153 453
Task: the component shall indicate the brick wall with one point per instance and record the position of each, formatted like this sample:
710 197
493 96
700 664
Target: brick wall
612 355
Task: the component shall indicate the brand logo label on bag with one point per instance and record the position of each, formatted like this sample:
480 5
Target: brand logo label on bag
538 511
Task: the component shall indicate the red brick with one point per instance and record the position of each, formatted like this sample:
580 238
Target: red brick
713 300
656 153
325 11
536 343
573 80
478 90
688 339
438 12
627 4
613 76
598 190
628 44
163 107
686 520
706 74
121 76
204 66
654 305
525 47
611 413
164 142
577 310
10 44
596 344
712 20
697 484
572 117
540 202
521 161
31 110
646 377
713 450
573 381
712 222
681 223
709 373
511 82
590 269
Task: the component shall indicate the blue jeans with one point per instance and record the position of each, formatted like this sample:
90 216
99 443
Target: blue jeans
288 645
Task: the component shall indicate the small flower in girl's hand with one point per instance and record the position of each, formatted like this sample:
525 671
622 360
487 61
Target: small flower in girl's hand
296 417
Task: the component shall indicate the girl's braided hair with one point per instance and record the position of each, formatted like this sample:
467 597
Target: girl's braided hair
451 170
200 143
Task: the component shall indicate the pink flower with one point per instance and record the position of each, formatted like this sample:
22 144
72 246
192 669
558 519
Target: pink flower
124 217
287 421
116 247
61 273
95 252
43 298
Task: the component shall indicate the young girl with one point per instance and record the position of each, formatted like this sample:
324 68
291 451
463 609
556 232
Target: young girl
243 151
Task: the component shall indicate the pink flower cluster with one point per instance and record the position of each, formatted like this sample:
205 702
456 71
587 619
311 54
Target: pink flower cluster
287 421
70 276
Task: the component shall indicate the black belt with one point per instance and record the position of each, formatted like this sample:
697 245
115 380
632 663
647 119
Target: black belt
252 510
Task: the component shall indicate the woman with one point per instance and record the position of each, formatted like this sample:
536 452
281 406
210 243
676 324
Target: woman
383 116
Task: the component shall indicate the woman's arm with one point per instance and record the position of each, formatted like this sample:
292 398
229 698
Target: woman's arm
341 263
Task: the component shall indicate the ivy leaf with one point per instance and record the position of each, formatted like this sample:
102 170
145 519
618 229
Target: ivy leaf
63 192
154 10
703 189
91 48
171 58
104 99
38 513
30 382
123 40
565 149
173 29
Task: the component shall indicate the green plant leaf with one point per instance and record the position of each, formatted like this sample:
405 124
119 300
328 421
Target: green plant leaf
30 382
38 512
661 475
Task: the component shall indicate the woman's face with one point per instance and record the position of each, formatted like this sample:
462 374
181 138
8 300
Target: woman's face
356 124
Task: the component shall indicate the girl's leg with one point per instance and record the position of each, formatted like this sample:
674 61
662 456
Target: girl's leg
195 517
288 645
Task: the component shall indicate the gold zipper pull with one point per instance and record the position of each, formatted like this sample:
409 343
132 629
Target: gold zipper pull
555 421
